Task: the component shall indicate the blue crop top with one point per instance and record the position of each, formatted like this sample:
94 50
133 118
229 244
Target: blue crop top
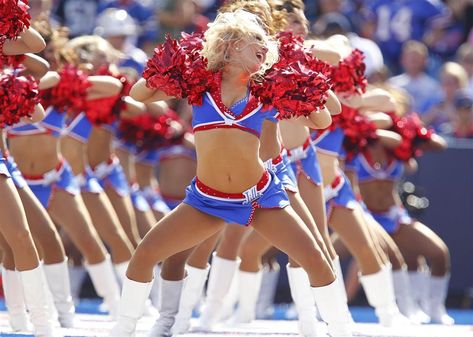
79 128
53 123
329 141
369 171
246 115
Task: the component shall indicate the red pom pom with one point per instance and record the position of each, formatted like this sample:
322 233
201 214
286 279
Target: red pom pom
14 19
18 98
13 61
106 110
359 133
413 133
70 94
297 84
178 69
349 74
150 132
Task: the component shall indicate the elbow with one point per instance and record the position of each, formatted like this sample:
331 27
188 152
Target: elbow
333 104
321 119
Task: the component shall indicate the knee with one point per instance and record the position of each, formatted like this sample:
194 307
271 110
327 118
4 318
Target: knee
312 260
250 252
440 258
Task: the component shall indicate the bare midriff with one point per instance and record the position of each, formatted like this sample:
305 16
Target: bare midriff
75 153
228 160
99 147
145 175
379 195
35 154
270 141
329 166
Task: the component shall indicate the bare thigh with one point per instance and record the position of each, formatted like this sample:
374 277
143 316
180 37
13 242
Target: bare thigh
301 208
313 197
418 240
201 254
42 227
14 226
173 267
126 214
70 211
231 241
284 229
388 244
181 229
107 225
352 230
252 251
145 221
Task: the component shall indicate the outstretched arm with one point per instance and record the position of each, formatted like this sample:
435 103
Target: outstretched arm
30 41
35 66
37 115
142 93
103 86
51 79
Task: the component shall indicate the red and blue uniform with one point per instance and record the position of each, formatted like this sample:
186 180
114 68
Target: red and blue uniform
304 161
246 115
393 171
60 177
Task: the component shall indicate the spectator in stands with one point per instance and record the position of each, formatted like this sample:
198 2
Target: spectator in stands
392 23
144 17
453 79
465 58
422 88
118 28
78 15
38 7
336 23
463 123
175 16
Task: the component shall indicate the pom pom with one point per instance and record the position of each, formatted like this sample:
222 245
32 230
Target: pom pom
359 133
349 75
178 69
150 132
70 94
14 19
413 133
297 84
13 61
18 98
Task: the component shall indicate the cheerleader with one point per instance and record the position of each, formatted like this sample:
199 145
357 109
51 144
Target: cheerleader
74 148
379 172
36 150
236 47
15 234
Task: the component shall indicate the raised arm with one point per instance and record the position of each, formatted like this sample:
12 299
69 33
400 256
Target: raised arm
35 66
333 104
142 93
436 143
37 115
379 100
389 139
132 108
103 86
380 119
49 80
324 51
30 41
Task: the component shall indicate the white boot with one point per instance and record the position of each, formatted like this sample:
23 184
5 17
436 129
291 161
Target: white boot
337 268
407 306
264 305
134 295
304 300
57 277
105 284
380 294
14 300
77 276
191 294
332 309
36 297
419 282
438 289
220 280
231 298
168 307
249 286
154 296
120 271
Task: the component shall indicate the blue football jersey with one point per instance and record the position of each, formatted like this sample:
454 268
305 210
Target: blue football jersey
398 21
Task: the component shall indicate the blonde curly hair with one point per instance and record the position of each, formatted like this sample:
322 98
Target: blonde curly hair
231 27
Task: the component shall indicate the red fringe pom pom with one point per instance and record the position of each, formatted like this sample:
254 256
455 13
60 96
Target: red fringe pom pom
297 84
150 132
70 94
349 74
18 98
178 69
14 19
